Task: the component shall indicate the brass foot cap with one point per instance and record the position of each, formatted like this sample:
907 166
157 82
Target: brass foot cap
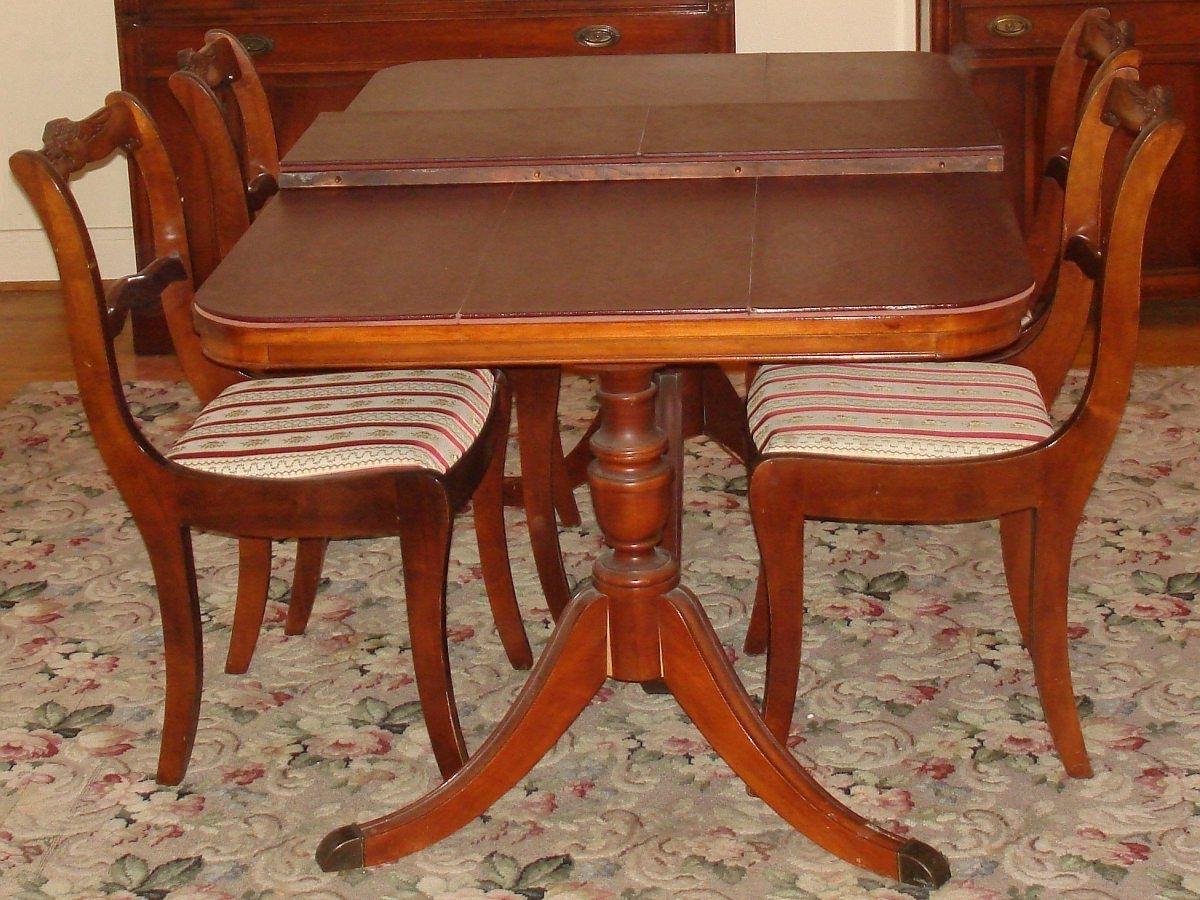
922 866
341 850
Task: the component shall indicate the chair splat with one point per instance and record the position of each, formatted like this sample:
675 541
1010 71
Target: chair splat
142 290
1086 254
1057 168
261 188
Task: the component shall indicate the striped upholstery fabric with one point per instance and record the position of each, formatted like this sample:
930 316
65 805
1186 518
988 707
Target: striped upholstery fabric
896 410
350 421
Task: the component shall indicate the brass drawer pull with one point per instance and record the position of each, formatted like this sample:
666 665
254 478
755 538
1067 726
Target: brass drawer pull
256 44
1009 25
597 37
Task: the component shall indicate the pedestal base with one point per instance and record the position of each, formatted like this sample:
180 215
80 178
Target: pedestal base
634 624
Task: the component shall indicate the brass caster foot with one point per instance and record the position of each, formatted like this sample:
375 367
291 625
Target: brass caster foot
922 866
341 850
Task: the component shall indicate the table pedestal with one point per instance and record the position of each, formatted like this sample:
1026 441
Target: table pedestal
636 623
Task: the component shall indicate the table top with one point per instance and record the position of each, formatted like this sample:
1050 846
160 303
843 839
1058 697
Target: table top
624 271
580 118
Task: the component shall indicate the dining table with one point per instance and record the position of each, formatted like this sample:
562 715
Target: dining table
871 224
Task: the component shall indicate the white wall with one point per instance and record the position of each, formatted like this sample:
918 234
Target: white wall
776 26
60 59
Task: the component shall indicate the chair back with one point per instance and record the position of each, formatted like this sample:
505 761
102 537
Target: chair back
224 100
1097 44
96 316
1094 43
1100 251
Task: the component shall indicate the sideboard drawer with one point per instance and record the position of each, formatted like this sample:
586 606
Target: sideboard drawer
1019 26
367 46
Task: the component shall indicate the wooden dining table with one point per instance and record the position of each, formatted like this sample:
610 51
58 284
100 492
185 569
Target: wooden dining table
621 276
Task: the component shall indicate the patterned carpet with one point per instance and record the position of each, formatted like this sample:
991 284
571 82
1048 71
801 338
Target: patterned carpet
917 703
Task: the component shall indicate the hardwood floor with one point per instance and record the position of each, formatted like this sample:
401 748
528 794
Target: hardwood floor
34 346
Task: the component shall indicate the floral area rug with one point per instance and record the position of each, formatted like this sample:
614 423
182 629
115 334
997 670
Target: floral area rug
917 703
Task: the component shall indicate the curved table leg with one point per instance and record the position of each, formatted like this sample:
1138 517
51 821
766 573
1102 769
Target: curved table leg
709 691
563 682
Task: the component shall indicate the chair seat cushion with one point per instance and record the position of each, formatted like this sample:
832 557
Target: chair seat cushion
311 425
896 410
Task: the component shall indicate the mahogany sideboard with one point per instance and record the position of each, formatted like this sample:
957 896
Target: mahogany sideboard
315 55
1009 48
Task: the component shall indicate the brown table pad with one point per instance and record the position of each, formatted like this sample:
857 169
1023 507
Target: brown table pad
646 117
726 247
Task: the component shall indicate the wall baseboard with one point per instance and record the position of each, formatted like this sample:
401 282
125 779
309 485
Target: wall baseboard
25 255
27 287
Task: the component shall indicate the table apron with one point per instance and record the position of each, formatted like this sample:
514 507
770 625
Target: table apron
308 346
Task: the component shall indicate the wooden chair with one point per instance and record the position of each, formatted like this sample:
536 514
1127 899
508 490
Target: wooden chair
223 98
957 442
260 462
1095 45
225 103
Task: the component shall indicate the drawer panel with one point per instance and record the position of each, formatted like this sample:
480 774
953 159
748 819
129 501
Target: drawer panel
1019 26
368 46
